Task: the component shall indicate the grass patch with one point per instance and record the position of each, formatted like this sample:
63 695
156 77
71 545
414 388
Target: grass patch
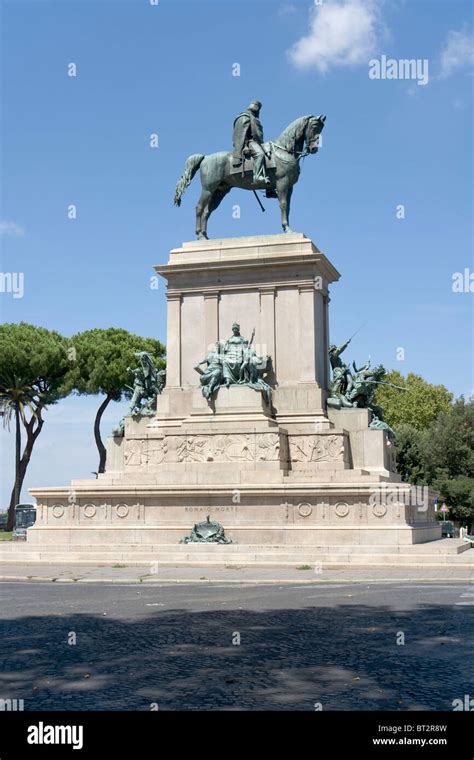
6 535
119 565
233 567
304 567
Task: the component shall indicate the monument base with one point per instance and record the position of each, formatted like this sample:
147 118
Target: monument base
290 482
282 497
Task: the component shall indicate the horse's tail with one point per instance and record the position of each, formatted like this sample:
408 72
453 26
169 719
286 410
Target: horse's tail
190 168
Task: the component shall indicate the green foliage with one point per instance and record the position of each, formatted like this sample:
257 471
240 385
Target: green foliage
33 359
409 450
418 406
101 361
448 456
458 492
449 450
442 456
34 368
102 357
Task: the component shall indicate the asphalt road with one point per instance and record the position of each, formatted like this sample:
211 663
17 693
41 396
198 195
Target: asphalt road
401 646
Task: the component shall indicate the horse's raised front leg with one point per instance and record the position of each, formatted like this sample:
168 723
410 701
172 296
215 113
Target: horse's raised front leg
284 192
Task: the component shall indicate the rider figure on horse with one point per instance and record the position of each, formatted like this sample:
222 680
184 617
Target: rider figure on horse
219 176
248 137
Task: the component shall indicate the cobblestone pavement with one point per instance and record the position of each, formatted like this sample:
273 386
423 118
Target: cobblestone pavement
178 646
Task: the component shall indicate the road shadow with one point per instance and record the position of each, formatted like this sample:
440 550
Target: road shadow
343 657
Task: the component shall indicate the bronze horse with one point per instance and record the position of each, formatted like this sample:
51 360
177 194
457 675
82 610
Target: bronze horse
217 179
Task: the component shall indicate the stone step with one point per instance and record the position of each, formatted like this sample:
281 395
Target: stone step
442 546
316 565
202 554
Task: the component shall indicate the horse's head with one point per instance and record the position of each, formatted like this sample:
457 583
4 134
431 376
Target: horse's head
314 127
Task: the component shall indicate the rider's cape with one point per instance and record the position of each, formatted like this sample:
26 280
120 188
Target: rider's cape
246 127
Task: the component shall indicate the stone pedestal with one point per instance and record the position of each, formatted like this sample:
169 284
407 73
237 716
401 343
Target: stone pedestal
277 284
290 475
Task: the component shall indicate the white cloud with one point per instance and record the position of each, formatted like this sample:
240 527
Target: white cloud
340 34
457 53
11 229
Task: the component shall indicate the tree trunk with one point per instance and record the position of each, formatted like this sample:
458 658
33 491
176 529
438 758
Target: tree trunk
17 487
32 434
98 440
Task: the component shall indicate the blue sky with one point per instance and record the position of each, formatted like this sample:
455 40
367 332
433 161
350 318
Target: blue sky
167 69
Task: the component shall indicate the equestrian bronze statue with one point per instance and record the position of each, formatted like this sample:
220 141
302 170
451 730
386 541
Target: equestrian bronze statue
273 166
